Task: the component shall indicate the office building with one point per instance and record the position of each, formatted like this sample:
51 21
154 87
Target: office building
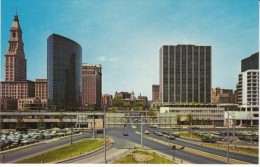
64 61
41 89
185 73
91 86
250 63
248 81
155 93
16 85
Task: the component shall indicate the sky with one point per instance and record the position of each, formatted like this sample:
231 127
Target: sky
125 36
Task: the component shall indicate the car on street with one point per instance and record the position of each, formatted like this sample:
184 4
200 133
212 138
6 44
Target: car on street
171 137
125 133
146 132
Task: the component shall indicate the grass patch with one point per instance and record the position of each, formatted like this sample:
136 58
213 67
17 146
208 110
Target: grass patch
189 136
143 157
231 148
65 152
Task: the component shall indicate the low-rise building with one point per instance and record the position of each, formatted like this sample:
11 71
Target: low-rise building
30 104
201 114
8 104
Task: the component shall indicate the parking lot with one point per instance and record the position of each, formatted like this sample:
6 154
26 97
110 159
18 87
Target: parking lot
14 139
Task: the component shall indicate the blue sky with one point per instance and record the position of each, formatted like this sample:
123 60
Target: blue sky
125 36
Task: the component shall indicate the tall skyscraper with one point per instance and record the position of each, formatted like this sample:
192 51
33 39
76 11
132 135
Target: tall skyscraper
248 82
64 61
250 63
185 73
15 85
91 86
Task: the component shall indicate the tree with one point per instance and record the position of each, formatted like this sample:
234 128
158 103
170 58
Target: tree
178 119
19 122
60 117
117 102
189 119
40 122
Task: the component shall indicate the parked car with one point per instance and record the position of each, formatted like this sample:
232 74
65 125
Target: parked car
158 133
208 140
176 134
3 144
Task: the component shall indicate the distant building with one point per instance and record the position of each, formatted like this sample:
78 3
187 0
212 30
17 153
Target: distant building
91 86
122 95
155 93
185 73
15 85
107 100
222 95
8 104
64 73
41 89
29 104
201 114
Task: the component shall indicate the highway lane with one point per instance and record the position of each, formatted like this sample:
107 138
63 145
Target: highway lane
127 142
232 155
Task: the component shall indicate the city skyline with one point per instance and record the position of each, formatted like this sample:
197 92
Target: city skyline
125 36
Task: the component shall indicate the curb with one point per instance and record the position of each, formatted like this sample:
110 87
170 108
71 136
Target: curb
81 155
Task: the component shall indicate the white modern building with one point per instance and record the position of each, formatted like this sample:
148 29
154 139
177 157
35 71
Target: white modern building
248 92
201 114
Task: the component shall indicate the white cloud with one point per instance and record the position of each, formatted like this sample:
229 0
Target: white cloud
104 58
112 59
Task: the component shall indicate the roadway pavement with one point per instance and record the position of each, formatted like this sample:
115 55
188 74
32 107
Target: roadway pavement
122 145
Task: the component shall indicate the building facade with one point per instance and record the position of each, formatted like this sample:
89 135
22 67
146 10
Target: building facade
29 104
91 86
250 63
219 95
41 89
200 114
15 85
185 73
247 93
64 61
107 100
155 93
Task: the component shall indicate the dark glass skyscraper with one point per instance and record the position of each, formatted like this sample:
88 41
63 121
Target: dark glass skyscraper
185 73
250 63
64 62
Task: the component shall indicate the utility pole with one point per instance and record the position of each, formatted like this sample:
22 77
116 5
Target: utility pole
141 131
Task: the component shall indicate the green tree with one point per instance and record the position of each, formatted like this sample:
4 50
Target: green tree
40 122
117 102
19 122
178 119
60 117
189 119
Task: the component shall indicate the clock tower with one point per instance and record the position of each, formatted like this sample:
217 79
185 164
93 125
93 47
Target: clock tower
15 62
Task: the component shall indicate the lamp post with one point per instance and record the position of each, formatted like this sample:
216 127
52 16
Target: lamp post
71 142
104 131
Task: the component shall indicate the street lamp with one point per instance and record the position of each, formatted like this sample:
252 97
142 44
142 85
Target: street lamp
104 131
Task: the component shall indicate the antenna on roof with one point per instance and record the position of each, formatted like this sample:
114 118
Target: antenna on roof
16 11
